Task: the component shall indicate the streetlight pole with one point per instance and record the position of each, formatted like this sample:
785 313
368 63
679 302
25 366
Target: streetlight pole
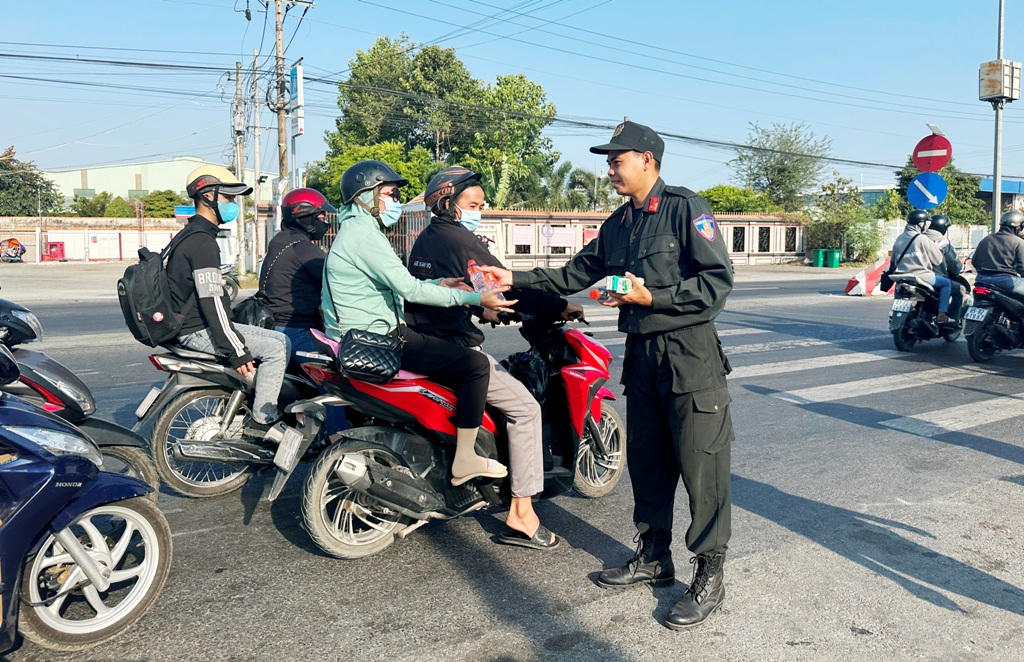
997 166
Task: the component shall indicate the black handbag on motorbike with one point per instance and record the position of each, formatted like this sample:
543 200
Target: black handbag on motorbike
886 282
368 356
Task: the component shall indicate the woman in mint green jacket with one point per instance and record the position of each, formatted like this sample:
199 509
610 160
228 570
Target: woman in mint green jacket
365 285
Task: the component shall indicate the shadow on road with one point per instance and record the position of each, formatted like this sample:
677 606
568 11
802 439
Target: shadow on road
872 543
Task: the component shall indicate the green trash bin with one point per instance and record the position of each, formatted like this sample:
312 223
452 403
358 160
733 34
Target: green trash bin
818 257
832 256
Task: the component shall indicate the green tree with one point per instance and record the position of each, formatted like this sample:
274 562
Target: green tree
519 113
782 161
442 108
93 207
119 208
373 99
24 190
961 205
160 204
596 190
839 220
414 164
890 206
732 199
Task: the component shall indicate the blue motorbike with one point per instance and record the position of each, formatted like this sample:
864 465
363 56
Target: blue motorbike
83 553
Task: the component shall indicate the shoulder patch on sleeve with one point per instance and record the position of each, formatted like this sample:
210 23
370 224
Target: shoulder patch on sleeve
681 191
705 226
209 283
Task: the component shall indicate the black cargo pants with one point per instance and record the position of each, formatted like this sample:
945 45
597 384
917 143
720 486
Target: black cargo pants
678 424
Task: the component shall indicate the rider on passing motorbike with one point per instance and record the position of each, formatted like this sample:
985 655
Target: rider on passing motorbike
455 197
365 285
951 266
916 255
999 257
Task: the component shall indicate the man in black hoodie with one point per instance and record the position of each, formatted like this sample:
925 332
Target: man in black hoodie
197 290
456 199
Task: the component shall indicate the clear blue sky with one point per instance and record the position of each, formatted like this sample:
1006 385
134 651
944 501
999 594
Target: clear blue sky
866 74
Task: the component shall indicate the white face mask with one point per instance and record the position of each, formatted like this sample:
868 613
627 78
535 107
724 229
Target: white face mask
469 218
392 212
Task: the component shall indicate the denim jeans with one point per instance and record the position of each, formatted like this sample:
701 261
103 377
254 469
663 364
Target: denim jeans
302 341
942 287
271 349
1006 283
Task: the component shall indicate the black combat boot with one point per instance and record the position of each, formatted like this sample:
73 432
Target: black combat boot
705 594
651 564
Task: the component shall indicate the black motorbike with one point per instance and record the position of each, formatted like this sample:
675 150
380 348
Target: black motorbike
198 414
83 553
51 386
230 275
994 323
914 308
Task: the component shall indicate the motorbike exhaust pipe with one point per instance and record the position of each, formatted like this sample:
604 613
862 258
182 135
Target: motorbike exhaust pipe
410 496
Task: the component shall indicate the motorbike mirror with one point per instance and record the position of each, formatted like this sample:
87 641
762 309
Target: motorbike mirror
9 371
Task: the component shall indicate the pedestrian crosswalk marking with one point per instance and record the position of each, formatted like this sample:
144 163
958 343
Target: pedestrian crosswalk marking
883 384
960 417
830 361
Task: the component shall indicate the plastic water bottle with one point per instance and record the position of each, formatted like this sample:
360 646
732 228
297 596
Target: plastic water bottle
600 294
482 281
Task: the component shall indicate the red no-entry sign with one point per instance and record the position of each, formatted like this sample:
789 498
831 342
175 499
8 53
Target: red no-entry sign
932 153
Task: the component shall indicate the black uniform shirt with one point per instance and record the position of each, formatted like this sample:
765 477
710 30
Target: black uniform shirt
673 242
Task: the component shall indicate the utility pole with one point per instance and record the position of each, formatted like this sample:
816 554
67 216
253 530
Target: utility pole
257 138
282 127
999 84
238 130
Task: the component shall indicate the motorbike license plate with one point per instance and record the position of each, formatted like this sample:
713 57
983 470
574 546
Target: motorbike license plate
287 455
976 314
902 305
148 401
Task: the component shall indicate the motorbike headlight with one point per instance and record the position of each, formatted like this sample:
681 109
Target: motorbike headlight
59 443
32 321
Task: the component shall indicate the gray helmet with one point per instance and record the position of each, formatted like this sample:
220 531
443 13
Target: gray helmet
918 217
365 176
448 185
1012 219
940 223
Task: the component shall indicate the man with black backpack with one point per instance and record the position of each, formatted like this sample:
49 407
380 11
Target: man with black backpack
197 292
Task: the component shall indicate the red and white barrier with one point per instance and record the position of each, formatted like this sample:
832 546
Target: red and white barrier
865 282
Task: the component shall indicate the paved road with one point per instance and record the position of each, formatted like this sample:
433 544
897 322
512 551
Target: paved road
877 513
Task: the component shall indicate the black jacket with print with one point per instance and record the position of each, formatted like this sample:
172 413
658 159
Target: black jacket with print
193 271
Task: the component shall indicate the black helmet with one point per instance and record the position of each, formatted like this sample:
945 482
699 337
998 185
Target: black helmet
1012 219
918 217
940 223
367 175
448 185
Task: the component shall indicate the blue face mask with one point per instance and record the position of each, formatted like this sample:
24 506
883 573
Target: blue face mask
470 219
392 212
228 211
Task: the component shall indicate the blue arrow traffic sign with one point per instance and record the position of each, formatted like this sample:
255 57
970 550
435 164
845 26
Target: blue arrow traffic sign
927 190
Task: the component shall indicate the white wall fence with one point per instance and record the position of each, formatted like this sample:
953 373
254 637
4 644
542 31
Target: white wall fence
964 239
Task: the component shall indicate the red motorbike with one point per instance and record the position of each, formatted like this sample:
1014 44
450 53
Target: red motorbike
391 473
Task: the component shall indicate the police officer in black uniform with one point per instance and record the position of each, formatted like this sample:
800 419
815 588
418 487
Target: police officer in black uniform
674 372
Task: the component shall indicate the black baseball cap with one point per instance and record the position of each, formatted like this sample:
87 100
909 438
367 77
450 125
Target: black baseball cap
636 137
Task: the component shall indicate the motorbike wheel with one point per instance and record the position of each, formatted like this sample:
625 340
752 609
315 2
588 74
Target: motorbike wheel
232 286
131 461
903 338
597 475
197 415
341 521
129 538
980 346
